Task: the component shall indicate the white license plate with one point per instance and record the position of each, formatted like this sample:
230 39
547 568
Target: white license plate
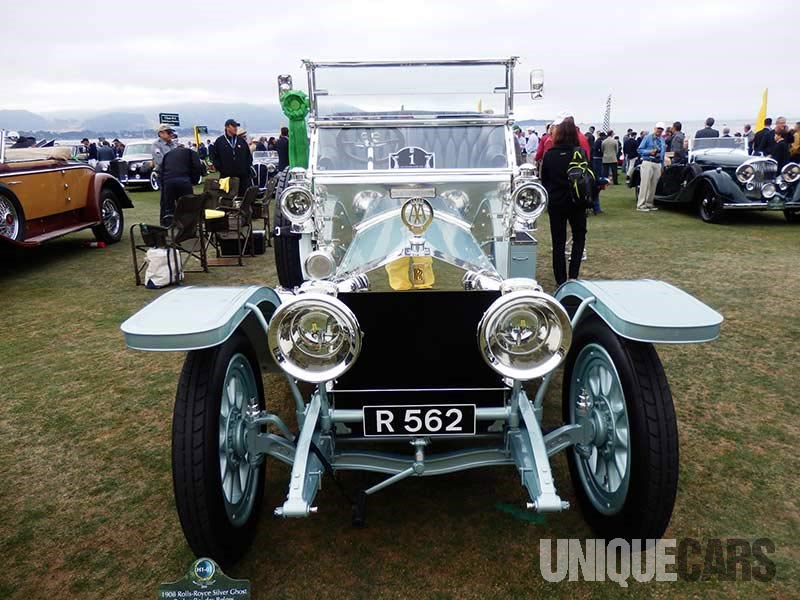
419 420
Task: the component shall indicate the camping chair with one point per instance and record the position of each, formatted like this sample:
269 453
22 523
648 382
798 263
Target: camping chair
261 211
184 235
231 235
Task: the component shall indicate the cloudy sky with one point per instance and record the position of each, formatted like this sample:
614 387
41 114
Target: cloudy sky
660 60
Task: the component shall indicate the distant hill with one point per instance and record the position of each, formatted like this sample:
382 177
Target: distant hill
22 119
255 118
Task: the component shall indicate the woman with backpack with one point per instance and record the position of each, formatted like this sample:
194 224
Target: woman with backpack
565 172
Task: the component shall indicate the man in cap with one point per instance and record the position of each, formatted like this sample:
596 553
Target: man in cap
651 151
162 146
231 155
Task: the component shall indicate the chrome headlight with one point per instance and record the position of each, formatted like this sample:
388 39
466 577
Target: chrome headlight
271 168
791 172
314 338
297 204
530 200
745 173
524 334
768 190
320 264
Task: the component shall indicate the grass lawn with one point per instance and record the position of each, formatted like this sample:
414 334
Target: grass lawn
86 505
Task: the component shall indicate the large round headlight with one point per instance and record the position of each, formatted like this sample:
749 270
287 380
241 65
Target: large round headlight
314 338
296 204
745 173
524 335
530 200
769 190
791 172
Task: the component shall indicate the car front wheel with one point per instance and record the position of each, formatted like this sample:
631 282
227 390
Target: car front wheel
218 485
12 220
626 476
155 183
709 205
111 227
792 216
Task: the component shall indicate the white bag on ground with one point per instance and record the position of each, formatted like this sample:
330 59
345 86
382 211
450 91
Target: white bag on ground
163 267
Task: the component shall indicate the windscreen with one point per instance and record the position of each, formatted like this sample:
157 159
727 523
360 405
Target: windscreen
138 149
730 143
400 148
412 89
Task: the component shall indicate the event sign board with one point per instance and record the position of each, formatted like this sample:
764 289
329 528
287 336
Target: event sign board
205 580
173 119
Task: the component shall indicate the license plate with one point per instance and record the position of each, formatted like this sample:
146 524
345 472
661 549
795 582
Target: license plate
423 420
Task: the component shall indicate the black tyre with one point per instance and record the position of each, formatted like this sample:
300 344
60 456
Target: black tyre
792 216
626 478
155 182
287 246
113 223
709 205
12 218
218 488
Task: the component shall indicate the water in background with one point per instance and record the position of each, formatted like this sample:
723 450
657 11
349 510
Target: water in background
689 127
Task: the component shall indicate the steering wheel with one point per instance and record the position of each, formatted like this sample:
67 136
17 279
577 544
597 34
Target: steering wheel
356 143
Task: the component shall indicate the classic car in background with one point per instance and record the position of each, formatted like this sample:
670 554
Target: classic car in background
265 170
45 195
720 176
406 254
139 156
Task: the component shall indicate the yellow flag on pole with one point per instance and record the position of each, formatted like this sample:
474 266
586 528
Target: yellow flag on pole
762 112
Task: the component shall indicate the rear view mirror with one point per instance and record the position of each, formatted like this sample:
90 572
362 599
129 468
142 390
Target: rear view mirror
284 85
537 83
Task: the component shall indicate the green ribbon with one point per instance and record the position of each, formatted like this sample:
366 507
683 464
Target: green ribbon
295 106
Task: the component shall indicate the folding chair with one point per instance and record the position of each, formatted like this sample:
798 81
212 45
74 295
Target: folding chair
236 226
187 226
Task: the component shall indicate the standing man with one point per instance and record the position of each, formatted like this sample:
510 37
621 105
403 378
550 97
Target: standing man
91 150
763 139
232 157
630 149
532 146
163 146
750 135
651 151
676 146
180 168
591 139
282 148
708 131
609 149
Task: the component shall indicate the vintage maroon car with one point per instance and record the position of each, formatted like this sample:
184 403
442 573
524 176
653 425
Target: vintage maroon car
45 195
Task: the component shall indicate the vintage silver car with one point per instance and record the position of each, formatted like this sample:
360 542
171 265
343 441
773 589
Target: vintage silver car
409 301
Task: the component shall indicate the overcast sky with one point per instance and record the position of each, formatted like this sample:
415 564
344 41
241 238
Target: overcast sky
660 60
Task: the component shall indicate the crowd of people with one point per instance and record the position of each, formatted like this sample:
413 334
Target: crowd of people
553 152
231 154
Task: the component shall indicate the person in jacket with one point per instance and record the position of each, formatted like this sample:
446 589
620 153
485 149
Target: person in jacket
708 131
610 148
762 139
677 143
630 148
232 156
282 148
180 169
561 208
651 151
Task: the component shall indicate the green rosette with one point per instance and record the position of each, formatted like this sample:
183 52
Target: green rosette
295 106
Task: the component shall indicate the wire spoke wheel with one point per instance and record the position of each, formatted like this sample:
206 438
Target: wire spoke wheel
112 220
10 224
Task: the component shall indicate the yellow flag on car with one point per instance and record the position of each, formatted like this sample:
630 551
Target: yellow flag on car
411 273
762 112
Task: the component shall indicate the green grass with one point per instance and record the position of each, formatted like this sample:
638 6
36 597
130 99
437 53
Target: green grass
86 507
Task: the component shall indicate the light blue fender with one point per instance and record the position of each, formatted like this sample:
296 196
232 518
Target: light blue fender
193 318
647 310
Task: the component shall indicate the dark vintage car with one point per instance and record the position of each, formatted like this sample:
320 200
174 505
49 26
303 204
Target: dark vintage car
139 157
720 176
45 195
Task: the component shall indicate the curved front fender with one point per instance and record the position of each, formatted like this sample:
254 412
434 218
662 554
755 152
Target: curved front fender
193 318
647 310
725 187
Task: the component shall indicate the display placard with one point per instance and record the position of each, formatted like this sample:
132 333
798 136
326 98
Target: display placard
173 119
205 580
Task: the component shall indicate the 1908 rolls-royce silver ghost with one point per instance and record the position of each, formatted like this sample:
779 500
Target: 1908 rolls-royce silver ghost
410 239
